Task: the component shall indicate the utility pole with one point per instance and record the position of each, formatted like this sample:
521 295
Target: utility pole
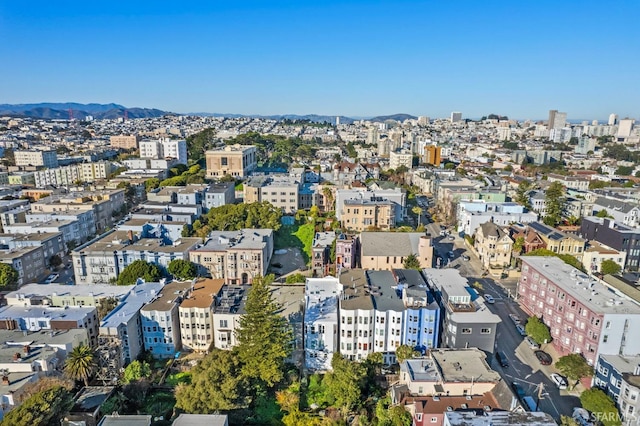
540 390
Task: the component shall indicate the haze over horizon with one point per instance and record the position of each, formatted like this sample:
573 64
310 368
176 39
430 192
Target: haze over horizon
356 58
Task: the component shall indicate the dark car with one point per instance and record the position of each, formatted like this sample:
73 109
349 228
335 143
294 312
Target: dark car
502 359
277 265
543 357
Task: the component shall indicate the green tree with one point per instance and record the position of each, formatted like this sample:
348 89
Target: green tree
151 184
295 278
106 305
264 337
518 245
450 166
332 251
135 371
80 364
217 383
603 213
575 367
392 415
567 421
404 352
8 277
187 230
139 269
624 170
9 157
345 383
538 330
555 204
412 262
317 392
609 267
596 401
42 409
417 210
55 261
521 193
182 269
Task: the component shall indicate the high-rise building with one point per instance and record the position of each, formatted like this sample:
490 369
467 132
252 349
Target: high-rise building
624 128
423 121
164 148
432 155
372 136
456 116
613 119
337 120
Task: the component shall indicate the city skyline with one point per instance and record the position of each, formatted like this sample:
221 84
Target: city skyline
355 59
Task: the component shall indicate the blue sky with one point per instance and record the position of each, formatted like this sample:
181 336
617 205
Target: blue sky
352 58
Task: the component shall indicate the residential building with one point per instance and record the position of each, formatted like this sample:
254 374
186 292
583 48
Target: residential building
497 418
596 253
320 252
52 243
432 155
196 315
531 239
583 315
226 315
397 159
164 148
83 223
235 256
347 248
72 174
346 173
620 211
467 322
493 246
201 420
161 322
444 372
22 178
609 371
72 232
558 241
397 198
615 235
472 214
29 262
219 194
61 295
366 214
456 117
238 161
122 328
124 141
577 183
282 191
102 260
321 322
35 158
388 250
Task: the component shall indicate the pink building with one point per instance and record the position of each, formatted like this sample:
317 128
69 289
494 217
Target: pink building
346 251
584 315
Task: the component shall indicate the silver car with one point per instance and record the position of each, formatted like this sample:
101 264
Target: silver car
532 343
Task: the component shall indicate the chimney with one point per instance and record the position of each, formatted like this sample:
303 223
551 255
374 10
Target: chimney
26 349
6 381
636 371
130 236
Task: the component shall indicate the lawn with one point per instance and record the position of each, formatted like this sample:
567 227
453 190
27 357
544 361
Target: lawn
300 236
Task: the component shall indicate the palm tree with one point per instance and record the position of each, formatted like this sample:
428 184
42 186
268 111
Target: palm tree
80 363
418 212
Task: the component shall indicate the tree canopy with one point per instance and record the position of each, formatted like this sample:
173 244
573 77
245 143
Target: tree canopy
574 366
264 336
554 204
182 269
345 382
42 409
404 352
80 364
135 371
8 277
538 330
233 217
609 267
139 269
596 401
412 262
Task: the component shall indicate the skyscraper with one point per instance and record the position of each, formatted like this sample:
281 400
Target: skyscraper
613 119
552 118
456 116
557 120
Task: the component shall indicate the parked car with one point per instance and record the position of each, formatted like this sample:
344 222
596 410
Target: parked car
531 343
51 278
489 298
514 318
502 359
581 416
465 257
521 330
559 380
543 357
451 254
451 238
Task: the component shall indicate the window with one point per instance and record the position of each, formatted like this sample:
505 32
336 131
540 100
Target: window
224 161
465 331
485 331
223 323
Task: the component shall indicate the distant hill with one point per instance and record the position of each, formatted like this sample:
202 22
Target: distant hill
80 111
311 117
396 117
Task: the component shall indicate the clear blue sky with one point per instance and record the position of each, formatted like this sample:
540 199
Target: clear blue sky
355 58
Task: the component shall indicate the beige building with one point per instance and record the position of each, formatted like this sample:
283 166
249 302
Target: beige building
559 242
397 159
196 315
124 142
237 160
493 245
36 158
388 250
235 256
281 191
364 214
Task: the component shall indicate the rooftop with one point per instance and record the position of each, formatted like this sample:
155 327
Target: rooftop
126 420
201 420
499 418
390 243
242 239
464 365
170 296
41 236
624 364
131 304
232 300
68 313
290 298
43 338
586 290
383 289
203 293
119 240
323 239
90 398
96 290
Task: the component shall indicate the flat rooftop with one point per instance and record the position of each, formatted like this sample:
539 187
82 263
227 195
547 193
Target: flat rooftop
588 291
50 290
624 364
232 300
447 279
464 365
170 295
119 240
390 243
499 418
237 240
68 313
42 236
137 297
43 338
291 300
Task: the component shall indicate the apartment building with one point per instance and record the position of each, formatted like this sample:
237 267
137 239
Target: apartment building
72 232
432 155
238 161
122 328
282 191
347 248
36 158
164 148
219 194
610 370
578 183
397 198
374 213
397 159
321 322
72 174
52 243
467 322
100 261
196 315
386 250
615 235
61 295
83 223
29 262
235 256
320 252
226 315
160 320
597 253
621 211
558 241
583 315
124 141
472 214
493 245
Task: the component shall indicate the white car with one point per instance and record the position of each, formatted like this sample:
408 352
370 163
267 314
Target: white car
521 330
581 416
51 278
532 343
489 298
514 318
558 380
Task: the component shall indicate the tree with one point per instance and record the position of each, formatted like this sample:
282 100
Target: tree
624 171
575 367
264 337
567 421
9 157
345 383
295 278
518 245
555 204
135 371
42 409
389 415
521 193
151 184
538 330
139 269
450 166
603 213
182 269
417 210
80 364
609 267
412 262
8 277
217 384
55 261
106 305
404 352
596 401
187 230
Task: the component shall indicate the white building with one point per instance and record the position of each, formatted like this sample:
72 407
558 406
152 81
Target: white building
164 148
48 159
472 214
226 315
321 321
397 159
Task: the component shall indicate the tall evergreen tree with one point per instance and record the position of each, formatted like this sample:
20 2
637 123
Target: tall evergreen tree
264 337
554 204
